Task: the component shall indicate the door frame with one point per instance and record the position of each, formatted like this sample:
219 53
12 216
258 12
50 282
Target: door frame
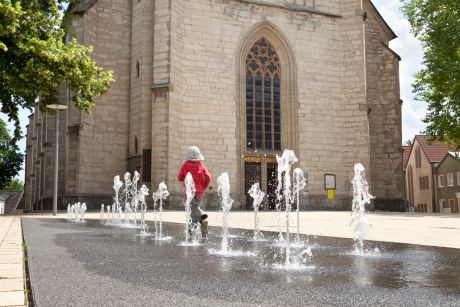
263 159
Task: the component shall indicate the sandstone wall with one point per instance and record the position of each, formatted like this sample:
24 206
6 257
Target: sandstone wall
103 147
330 86
384 108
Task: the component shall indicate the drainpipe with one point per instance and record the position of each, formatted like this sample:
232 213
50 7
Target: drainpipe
434 194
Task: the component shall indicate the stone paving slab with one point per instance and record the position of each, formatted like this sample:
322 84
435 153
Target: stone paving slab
11 284
10 259
12 298
11 262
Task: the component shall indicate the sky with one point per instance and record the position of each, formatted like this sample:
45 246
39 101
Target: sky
410 50
406 45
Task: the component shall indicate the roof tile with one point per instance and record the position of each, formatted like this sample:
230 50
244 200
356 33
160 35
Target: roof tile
433 150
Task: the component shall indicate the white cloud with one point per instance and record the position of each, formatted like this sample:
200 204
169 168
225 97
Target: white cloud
410 50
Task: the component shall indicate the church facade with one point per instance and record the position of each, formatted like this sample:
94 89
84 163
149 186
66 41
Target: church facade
240 79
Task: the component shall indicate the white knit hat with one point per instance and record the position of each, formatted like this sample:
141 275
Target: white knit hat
194 154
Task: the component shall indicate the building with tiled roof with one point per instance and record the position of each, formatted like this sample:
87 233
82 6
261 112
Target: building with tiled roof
447 192
406 153
421 175
434 150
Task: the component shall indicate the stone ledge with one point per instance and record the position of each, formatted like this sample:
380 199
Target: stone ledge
162 87
295 7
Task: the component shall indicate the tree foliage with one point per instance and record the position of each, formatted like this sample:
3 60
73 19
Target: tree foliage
10 158
14 185
35 60
437 24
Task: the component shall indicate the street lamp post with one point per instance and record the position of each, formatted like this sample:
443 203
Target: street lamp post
57 107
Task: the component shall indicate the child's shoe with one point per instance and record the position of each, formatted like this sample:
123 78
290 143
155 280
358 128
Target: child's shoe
204 216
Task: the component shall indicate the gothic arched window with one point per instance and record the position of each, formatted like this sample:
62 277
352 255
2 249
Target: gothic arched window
263 110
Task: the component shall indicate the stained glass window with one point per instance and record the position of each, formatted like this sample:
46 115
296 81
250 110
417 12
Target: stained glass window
263 86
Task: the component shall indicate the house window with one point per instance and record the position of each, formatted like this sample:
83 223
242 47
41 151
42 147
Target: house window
418 158
422 207
424 183
458 178
450 180
138 70
263 109
440 181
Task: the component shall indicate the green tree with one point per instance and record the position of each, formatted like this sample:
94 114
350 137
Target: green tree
35 60
408 143
437 24
14 185
10 158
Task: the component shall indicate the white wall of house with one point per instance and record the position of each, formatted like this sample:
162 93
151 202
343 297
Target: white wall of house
422 198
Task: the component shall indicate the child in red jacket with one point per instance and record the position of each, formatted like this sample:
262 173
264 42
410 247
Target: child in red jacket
201 178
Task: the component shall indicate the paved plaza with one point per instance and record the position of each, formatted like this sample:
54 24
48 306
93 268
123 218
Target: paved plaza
94 264
411 228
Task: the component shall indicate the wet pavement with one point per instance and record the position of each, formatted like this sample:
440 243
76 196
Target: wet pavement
91 264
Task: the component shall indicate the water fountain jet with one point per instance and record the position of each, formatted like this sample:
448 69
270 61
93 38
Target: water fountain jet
300 182
223 189
161 194
190 194
117 184
361 197
258 197
143 192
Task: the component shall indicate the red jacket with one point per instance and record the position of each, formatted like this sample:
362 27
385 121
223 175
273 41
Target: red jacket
200 174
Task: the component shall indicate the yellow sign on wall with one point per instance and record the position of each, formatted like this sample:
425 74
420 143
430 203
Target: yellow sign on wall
330 194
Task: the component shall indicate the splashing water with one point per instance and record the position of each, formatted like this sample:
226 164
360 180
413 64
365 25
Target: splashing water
117 184
258 197
223 189
83 212
155 220
361 197
161 194
108 213
143 192
300 182
76 212
135 195
294 259
101 214
190 193
126 196
283 192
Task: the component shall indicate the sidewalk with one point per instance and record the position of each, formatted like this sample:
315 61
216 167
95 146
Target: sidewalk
11 262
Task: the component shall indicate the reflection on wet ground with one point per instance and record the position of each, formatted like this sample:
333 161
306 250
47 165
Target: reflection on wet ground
389 270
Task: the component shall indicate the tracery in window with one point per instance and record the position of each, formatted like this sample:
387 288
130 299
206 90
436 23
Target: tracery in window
263 110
